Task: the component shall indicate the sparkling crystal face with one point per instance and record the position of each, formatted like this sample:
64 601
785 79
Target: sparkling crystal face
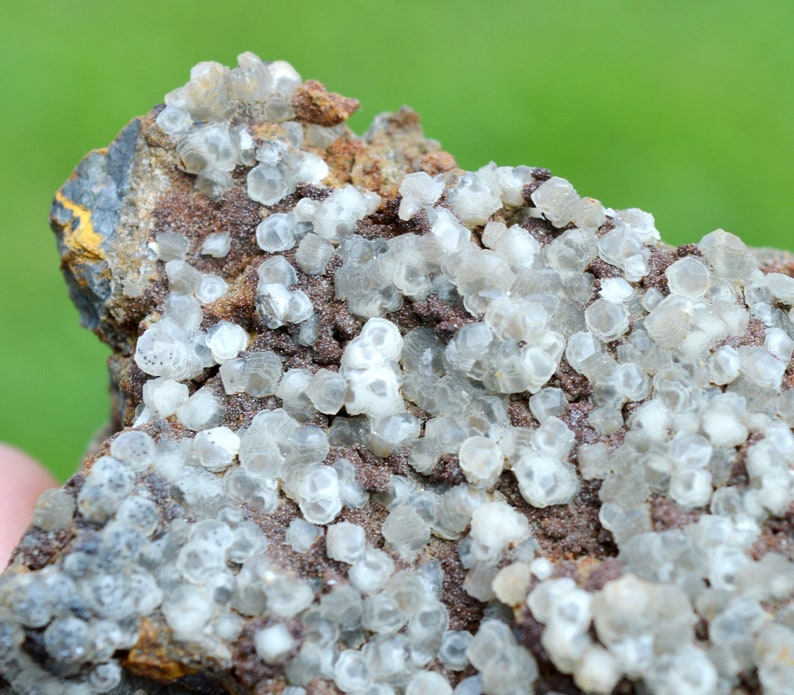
394 427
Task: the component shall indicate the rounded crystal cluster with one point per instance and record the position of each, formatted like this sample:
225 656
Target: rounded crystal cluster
428 434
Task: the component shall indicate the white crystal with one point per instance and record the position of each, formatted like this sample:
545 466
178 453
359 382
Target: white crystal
201 411
327 391
217 447
418 191
688 277
345 542
607 320
545 481
494 527
274 643
481 461
226 340
276 233
217 245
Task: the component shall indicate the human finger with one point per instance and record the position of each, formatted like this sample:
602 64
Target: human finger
22 480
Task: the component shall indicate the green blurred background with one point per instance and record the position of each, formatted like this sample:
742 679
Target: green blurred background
685 109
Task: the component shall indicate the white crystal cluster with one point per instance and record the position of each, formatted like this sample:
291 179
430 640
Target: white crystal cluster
686 365
201 115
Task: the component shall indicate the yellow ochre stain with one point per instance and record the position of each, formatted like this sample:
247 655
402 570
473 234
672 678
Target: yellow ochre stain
79 236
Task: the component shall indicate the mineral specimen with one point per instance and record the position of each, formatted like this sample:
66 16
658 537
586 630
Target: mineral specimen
385 426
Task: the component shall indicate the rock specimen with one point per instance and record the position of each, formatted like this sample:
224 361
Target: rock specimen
386 426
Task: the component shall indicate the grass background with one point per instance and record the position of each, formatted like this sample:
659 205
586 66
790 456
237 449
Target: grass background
683 109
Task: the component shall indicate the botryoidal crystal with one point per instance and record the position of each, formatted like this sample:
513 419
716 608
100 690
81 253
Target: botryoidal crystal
384 426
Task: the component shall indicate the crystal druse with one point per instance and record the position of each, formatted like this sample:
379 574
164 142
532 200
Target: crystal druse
384 426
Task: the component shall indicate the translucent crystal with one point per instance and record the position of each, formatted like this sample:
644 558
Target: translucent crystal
287 596
209 147
544 481
624 247
781 286
340 211
211 288
278 270
205 96
553 438
171 246
351 671
322 136
200 411
518 245
688 670
481 461
727 255
140 514
581 347
106 486
174 121
319 495
276 233
371 571
418 191
451 235
502 663
342 606
136 449
779 344
54 510
162 350
217 448
198 561
327 391
381 614
163 396
607 320
616 290
452 651
187 610
226 340
668 323
428 683
476 196
556 198
301 535
68 640
313 254
405 531
345 542
572 251
213 183
688 277
597 671
267 185
257 374
374 392
760 367
216 245
105 677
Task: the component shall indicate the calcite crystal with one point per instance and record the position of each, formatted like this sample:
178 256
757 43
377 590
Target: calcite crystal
385 426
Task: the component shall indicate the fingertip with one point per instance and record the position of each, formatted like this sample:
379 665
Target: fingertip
22 480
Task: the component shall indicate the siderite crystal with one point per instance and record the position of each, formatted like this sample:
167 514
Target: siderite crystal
384 426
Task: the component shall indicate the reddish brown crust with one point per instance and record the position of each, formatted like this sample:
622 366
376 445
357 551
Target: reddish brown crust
315 104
